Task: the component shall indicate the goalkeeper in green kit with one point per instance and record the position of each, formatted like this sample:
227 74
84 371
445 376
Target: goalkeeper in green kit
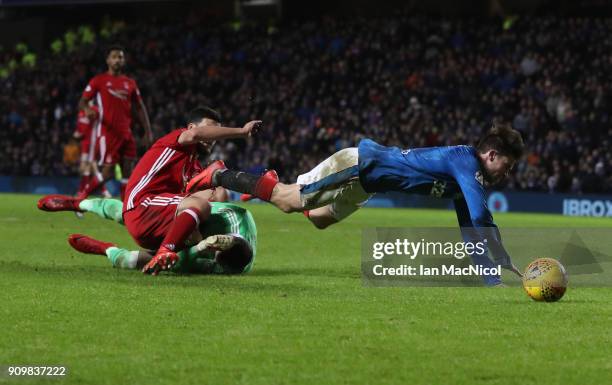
225 244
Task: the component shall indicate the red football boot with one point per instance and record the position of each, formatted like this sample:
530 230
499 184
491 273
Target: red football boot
203 180
88 245
57 202
268 174
163 260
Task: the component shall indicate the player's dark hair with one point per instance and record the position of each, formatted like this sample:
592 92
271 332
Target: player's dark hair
504 139
197 114
111 48
235 259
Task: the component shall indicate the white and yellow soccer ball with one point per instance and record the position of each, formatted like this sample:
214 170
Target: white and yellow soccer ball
545 279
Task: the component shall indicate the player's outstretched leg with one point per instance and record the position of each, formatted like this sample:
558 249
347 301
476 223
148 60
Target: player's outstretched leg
232 254
88 245
103 207
269 173
265 187
57 202
321 217
118 257
106 208
331 191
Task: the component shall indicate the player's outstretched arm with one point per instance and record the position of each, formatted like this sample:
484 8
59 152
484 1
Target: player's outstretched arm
472 210
471 233
202 133
477 223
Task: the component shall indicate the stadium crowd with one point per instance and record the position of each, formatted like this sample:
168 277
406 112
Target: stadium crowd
320 86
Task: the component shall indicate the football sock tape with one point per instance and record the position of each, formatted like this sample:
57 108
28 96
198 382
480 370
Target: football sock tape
104 208
122 258
238 181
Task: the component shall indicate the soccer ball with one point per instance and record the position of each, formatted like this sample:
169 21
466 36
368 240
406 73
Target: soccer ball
545 279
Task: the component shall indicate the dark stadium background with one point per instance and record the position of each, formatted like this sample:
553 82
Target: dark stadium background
322 75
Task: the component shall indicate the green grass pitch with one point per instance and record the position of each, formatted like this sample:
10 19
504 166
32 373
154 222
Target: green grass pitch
301 317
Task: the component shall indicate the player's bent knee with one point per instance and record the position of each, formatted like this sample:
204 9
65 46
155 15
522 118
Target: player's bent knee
201 205
219 194
204 207
322 217
284 207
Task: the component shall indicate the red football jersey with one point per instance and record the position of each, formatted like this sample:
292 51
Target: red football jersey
84 124
165 168
114 96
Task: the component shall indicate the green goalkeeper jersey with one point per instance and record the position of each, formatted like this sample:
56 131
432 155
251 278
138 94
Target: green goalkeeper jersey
225 218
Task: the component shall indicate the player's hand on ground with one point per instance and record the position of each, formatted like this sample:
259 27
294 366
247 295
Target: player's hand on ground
251 127
513 269
161 261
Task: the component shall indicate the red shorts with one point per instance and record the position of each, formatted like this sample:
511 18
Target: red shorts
149 222
113 149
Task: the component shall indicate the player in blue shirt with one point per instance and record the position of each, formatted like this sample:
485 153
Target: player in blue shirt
345 181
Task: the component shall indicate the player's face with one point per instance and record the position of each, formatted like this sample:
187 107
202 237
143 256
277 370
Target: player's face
497 167
115 60
207 146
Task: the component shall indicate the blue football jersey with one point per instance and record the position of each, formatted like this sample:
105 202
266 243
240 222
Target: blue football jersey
452 172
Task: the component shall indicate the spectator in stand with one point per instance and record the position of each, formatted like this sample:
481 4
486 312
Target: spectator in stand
323 84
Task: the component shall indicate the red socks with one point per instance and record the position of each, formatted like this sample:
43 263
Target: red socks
83 184
89 184
91 187
264 187
184 224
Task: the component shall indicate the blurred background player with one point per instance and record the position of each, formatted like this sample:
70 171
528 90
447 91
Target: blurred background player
88 168
114 93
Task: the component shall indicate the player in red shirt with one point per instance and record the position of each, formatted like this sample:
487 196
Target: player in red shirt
156 209
114 94
86 135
